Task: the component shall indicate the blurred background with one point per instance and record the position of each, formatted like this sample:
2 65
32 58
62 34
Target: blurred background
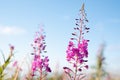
19 20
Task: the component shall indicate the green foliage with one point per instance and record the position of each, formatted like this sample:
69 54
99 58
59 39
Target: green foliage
4 65
99 67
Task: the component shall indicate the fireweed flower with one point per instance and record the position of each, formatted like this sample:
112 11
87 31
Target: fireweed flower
40 63
77 50
11 47
11 50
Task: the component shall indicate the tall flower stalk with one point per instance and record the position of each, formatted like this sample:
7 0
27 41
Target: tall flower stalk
77 51
40 64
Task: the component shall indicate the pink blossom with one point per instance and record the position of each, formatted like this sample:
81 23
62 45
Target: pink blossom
40 62
15 63
77 49
11 47
77 53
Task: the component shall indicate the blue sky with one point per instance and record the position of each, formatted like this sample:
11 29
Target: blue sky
20 19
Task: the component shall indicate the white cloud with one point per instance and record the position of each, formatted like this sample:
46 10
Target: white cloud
11 30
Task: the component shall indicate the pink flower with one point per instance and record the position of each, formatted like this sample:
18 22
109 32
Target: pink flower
34 65
77 49
15 63
83 47
11 47
40 62
77 53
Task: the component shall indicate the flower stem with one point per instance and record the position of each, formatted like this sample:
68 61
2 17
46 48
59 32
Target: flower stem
76 68
81 25
41 74
75 73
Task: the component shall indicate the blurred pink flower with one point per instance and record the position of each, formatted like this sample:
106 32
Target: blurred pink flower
15 63
40 62
11 47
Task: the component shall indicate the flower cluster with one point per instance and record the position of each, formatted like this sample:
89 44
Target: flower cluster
39 43
77 50
40 62
77 53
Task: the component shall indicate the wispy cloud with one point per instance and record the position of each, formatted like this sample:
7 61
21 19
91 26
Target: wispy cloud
11 30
